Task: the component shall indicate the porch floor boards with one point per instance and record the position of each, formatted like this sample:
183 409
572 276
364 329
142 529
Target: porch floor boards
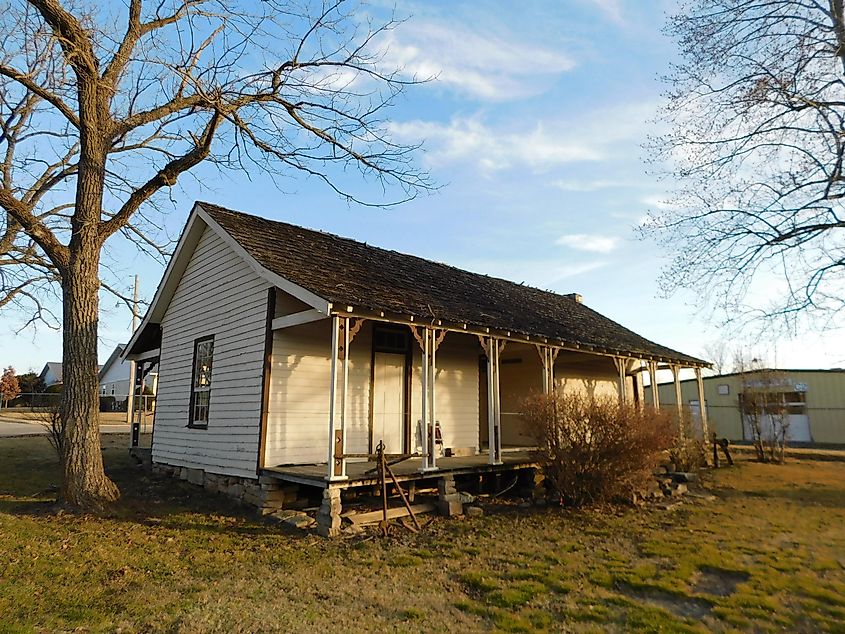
408 470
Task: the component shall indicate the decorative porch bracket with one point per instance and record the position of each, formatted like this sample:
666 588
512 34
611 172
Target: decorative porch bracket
344 330
548 356
622 366
429 340
493 349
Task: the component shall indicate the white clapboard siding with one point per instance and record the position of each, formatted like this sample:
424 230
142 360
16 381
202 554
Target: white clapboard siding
456 390
591 382
298 413
220 295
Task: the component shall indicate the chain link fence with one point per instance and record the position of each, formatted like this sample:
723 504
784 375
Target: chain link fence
44 402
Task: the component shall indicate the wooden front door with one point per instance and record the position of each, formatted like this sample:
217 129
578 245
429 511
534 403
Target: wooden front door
389 401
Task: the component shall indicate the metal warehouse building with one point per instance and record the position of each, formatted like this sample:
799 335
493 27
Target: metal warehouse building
815 401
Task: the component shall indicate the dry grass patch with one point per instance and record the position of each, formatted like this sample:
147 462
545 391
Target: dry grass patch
768 555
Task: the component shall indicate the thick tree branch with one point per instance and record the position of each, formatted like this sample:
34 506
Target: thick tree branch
165 177
22 214
32 86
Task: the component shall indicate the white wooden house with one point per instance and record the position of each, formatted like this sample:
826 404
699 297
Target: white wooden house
115 380
287 354
51 373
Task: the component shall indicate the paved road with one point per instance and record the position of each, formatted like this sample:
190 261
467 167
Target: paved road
10 428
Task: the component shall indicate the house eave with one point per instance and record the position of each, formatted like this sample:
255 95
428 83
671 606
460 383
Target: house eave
515 336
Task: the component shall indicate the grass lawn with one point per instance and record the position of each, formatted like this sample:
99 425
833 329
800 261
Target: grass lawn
769 554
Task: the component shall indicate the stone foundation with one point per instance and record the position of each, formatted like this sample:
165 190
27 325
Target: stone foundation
448 499
328 518
268 495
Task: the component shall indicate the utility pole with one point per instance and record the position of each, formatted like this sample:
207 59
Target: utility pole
130 397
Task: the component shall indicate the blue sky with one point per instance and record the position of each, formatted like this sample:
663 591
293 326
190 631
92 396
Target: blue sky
533 130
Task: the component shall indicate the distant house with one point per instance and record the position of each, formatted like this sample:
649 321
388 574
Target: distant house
289 355
114 376
52 373
814 399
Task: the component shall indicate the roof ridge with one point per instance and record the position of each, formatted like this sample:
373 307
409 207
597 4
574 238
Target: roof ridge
384 250
377 278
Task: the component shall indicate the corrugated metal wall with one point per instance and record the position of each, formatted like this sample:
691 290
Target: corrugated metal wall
825 398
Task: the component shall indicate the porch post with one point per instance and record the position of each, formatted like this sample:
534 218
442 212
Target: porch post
344 354
702 405
336 462
424 431
676 374
130 400
494 419
652 379
547 388
621 365
135 401
142 379
432 438
547 358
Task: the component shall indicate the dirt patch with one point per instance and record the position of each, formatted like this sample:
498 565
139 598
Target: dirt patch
678 604
718 582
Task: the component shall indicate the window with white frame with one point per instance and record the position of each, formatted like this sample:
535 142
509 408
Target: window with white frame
201 382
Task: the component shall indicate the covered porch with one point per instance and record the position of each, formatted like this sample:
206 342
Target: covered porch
391 379
363 473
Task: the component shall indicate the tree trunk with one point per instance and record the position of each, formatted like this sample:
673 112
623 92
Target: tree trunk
85 485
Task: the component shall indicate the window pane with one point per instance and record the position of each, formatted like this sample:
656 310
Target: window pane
201 401
203 352
202 369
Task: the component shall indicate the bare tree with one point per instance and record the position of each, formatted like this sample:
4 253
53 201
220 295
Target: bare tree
764 410
104 108
717 352
755 119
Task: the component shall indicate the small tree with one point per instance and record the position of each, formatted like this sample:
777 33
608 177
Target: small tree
9 387
763 407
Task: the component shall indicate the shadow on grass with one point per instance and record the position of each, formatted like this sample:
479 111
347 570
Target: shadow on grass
28 489
801 493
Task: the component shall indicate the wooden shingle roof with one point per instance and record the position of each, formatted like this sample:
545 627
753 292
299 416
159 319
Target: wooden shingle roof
350 273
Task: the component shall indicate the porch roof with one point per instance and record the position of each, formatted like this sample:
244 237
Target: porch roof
350 273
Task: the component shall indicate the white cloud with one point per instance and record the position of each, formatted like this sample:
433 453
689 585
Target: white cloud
634 219
586 185
656 201
540 273
470 139
574 270
596 135
611 8
589 242
475 62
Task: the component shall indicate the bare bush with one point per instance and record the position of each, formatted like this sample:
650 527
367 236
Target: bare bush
51 419
689 450
594 449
